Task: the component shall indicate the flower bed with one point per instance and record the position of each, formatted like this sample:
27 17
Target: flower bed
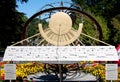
26 69
23 70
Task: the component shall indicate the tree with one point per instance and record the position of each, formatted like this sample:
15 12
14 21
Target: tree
11 22
106 10
89 28
115 22
33 26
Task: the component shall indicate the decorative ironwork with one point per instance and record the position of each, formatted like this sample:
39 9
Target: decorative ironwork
77 16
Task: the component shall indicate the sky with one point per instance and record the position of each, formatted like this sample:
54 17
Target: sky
32 6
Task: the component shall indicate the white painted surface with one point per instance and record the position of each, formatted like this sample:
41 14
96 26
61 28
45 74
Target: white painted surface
60 54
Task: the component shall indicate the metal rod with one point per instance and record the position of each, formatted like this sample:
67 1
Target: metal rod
25 39
60 72
95 39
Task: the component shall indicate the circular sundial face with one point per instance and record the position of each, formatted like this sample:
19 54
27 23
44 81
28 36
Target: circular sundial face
60 29
60 23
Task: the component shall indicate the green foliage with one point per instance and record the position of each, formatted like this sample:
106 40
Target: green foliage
104 11
33 26
90 29
11 22
105 29
106 8
115 22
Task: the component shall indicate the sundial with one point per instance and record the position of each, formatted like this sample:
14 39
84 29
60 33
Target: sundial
60 31
59 42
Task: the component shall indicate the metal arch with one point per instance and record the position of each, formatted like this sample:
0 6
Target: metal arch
61 8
